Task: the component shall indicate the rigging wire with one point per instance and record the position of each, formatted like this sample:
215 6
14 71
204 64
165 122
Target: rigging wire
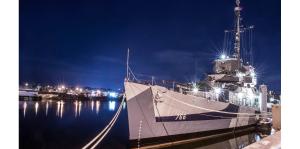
224 42
133 74
251 46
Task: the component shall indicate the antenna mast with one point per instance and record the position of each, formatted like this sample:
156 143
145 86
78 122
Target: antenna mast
237 43
127 65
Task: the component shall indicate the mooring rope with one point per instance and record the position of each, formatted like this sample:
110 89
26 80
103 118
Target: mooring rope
105 131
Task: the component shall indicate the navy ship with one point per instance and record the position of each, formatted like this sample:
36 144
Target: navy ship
226 101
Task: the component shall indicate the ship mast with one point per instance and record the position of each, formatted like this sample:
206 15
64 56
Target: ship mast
237 42
127 65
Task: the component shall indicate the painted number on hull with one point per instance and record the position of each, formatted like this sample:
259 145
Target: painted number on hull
180 117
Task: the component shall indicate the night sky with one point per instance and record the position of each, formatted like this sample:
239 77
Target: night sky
84 42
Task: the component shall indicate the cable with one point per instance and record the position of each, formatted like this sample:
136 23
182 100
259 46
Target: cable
106 129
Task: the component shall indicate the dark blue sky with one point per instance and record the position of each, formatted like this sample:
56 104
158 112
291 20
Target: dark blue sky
84 42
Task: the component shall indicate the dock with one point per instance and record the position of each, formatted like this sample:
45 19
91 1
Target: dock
272 141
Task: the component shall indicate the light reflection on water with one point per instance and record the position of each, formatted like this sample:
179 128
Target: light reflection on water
67 124
57 108
112 105
36 107
24 107
61 109
79 111
92 105
76 107
97 106
47 107
124 105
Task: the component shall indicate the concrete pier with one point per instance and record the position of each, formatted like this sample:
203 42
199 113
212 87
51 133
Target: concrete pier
276 114
270 142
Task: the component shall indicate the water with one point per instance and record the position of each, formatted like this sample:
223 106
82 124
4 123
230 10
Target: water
49 125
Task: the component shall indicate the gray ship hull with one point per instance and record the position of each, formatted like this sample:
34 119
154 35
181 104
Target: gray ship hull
155 112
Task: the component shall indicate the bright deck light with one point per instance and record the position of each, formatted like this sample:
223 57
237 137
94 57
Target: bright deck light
251 96
195 89
217 90
240 95
253 74
223 56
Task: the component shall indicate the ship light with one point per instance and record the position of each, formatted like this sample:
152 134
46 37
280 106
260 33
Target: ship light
240 74
195 89
218 90
223 56
251 96
253 74
240 95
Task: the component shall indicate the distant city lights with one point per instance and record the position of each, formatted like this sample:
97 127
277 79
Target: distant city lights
113 94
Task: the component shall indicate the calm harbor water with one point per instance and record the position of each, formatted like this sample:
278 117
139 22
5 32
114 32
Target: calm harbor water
49 125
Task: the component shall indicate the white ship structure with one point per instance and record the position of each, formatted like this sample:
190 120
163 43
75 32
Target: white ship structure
227 100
